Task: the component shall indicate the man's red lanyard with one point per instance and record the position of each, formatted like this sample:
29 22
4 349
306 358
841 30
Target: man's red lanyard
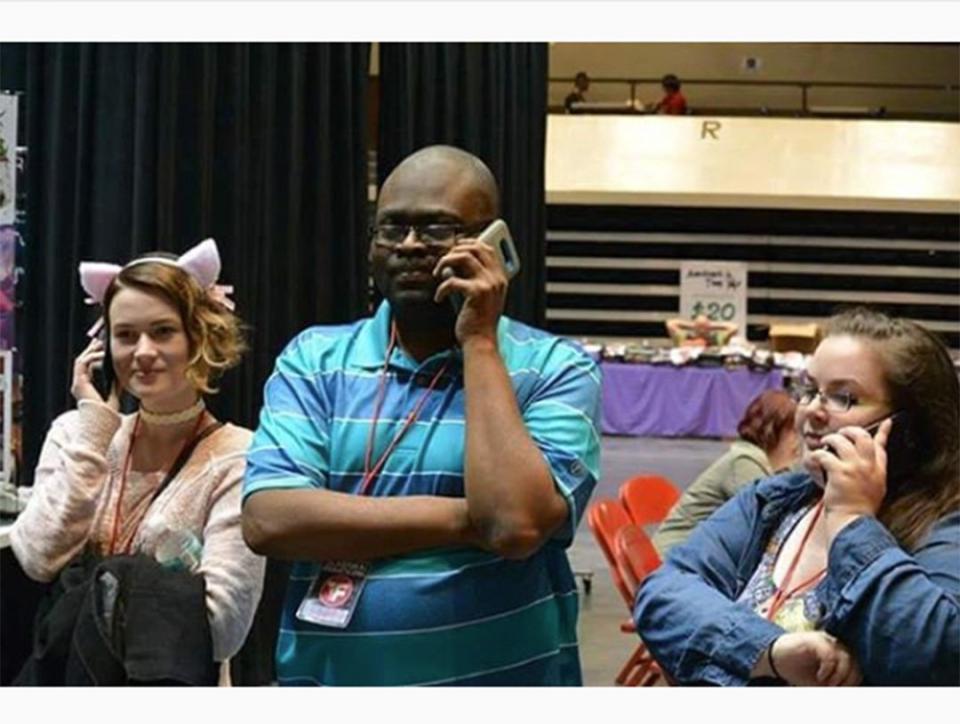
372 470
783 592
123 482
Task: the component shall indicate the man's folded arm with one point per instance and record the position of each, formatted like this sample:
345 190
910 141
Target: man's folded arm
319 524
289 512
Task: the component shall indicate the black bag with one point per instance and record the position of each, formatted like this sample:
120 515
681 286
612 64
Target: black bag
122 620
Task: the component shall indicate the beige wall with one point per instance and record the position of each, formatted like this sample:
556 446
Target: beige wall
754 163
816 62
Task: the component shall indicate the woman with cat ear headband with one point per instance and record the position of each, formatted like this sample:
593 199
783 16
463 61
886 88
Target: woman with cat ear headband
120 484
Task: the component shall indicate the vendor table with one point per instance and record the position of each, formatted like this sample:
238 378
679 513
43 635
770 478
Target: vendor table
668 401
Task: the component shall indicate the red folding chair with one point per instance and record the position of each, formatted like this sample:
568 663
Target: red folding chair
636 558
636 555
648 498
605 517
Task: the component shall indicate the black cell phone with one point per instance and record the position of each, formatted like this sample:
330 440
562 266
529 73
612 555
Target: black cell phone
104 376
901 448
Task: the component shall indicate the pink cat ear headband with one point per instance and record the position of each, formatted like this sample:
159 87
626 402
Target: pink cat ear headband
202 262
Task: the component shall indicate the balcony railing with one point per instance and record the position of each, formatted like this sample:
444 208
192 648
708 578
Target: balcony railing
931 101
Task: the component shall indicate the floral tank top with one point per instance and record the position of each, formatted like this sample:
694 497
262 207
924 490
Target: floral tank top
802 612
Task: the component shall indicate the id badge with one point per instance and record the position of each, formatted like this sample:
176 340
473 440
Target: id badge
333 596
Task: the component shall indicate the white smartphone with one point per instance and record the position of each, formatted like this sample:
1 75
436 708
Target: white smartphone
496 235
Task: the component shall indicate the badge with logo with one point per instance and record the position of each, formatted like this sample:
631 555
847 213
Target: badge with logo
334 594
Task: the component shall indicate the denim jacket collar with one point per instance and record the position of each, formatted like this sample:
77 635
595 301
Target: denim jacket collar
776 496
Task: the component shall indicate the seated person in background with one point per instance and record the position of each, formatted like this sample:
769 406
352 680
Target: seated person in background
673 103
768 443
700 332
103 479
847 571
581 85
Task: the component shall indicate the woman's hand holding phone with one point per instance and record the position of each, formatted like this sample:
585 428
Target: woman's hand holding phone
855 466
83 387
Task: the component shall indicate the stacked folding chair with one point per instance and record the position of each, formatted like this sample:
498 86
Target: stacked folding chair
618 526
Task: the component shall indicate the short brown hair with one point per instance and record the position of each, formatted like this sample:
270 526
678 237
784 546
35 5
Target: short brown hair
766 418
923 384
215 335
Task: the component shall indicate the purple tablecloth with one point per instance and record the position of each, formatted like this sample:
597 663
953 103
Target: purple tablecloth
666 401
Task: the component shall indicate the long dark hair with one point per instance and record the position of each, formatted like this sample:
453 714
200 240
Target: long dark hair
923 384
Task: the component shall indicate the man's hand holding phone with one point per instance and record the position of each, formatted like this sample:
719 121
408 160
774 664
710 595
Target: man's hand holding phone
84 369
855 466
474 271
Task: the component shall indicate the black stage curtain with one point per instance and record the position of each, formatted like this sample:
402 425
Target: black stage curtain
137 147
489 99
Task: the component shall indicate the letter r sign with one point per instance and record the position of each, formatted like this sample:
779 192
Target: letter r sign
711 129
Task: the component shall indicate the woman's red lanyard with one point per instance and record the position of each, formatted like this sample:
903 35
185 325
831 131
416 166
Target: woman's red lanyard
783 592
126 472
370 471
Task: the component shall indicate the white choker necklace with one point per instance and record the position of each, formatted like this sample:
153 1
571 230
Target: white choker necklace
173 418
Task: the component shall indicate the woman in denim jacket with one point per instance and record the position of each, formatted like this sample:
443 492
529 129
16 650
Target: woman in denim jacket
846 573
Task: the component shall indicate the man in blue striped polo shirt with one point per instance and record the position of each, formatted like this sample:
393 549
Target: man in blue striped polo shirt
426 468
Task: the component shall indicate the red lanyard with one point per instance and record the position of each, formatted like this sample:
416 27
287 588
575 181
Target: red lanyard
370 472
123 481
783 592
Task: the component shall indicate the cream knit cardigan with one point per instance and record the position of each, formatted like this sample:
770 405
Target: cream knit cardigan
74 504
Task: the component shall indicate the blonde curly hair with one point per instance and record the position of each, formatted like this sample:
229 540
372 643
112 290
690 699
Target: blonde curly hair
216 336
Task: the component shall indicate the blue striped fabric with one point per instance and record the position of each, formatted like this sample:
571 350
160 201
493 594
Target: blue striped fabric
450 616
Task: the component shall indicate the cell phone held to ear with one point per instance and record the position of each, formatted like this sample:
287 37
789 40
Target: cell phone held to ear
900 447
104 377
902 453
497 236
